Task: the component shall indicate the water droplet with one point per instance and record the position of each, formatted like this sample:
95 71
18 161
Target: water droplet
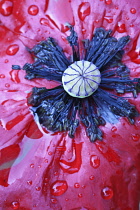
44 22
116 7
121 28
46 160
97 21
83 31
66 199
6 61
91 177
32 165
38 188
29 182
108 2
33 10
135 137
12 49
46 179
109 19
80 195
6 8
50 153
56 173
94 161
84 10
15 205
76 185
133 10
7 85
113 129
59 187
107 193
2 76
83 186
53 200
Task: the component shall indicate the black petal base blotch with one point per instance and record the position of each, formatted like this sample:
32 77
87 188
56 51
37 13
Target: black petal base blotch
57 110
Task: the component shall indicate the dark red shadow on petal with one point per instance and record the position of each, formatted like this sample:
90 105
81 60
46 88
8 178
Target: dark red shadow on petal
8 156
108 153
33 132
14 122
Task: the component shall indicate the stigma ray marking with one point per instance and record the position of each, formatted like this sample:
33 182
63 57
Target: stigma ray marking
71 80
74 69
93 81
75 84
90 71
90 85
64 74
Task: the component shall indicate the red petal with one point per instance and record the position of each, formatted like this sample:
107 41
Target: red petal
104 175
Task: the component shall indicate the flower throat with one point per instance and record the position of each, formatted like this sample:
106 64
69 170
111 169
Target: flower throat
88 87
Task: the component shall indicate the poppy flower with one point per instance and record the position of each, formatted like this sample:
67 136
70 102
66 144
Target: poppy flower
41 169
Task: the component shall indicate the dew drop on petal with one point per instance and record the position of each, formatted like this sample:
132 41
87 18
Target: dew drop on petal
46 160
44 22
15 205
84 10
107 193
80 195
32 165
46 179
56 173
113 129
53 200
94 161
83 186
59 187
38 188
83 31
121 28
135 137
33 10
12 49
2 76
7 85
97 21
29 182
6 8
91 177
133 10
6 61
76 185
108 2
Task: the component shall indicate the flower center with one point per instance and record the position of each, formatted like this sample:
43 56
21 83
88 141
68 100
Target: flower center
81 79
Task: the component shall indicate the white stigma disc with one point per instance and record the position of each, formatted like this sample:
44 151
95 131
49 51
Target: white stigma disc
81 79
